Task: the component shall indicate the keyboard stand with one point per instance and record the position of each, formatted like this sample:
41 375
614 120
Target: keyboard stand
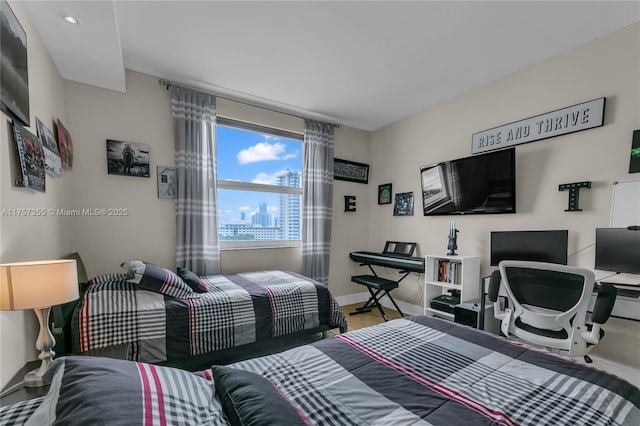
379 284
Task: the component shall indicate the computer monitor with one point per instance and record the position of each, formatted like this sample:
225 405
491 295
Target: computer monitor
618 250
539 246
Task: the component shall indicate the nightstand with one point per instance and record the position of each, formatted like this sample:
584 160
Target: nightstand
23 393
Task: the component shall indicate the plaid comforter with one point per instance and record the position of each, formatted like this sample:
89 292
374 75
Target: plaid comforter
411 371
421 370
237 310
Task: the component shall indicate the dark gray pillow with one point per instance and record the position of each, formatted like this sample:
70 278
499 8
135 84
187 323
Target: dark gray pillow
192 280
250 399
156 278
111 392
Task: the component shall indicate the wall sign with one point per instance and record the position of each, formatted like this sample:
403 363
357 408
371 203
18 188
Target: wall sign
555 123
574 194
349 203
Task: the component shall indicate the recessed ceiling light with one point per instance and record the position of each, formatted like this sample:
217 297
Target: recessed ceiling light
71 20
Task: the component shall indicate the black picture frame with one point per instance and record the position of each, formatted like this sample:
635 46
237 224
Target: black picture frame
31 159
350 171
403 205
385 193
127 158
634 162
14 69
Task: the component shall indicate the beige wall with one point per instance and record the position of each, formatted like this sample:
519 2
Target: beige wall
607 67
30 238
349 230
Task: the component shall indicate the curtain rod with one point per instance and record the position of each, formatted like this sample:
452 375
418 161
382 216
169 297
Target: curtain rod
167 84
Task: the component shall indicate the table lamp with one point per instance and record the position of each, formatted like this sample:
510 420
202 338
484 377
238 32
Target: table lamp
38 285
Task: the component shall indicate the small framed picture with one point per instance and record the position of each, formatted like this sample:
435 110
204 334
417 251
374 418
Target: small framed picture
350 171
166 182
384 194
65 145
52 162
634 163
127 158
31 158
403 205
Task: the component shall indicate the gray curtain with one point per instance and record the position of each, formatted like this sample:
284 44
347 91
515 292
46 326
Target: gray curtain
317 199
194 120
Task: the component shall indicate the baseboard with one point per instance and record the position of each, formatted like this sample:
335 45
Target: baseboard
350 299
406 307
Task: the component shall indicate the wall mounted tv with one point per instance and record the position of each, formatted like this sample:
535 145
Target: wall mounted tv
472 185
13 66
618 250
536 246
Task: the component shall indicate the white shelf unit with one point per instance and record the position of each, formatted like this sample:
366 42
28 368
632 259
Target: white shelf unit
466 279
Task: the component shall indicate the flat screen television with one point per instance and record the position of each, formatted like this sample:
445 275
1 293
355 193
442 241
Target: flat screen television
537 246
13 66
618 250
472 185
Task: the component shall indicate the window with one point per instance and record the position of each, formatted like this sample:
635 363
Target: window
259 185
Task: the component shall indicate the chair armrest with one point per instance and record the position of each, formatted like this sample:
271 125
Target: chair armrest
494 285
604 303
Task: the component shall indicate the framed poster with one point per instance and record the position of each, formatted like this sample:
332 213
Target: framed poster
350 171
166 182
403 205
52 162
14 70
65 145
31 159
127 158
384 193
634 162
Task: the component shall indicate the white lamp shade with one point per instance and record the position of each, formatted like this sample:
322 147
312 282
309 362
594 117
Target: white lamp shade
38 284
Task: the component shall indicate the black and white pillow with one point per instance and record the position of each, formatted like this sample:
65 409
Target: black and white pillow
156 278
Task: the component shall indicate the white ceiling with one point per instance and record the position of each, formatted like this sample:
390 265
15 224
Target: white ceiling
363 64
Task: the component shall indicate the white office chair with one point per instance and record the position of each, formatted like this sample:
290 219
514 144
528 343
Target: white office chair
547 305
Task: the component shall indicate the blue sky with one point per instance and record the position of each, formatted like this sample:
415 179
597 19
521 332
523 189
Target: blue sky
252 157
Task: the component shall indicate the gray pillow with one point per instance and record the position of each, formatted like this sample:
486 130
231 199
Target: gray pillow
156 278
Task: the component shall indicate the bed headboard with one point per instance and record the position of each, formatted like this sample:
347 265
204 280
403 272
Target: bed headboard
61 315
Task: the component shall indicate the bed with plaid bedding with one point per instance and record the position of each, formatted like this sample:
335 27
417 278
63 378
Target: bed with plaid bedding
237 310
411 371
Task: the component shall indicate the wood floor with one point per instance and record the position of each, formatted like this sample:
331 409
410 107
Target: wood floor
366 319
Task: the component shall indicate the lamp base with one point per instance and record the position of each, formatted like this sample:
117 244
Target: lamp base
35 379
45 342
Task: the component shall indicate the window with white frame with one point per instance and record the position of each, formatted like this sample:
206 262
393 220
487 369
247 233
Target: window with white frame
259 184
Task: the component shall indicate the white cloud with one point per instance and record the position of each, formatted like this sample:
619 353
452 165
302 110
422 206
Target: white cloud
264 151
268 178
244 208
273 209
265 178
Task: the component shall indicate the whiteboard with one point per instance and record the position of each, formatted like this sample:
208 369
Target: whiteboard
625 204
